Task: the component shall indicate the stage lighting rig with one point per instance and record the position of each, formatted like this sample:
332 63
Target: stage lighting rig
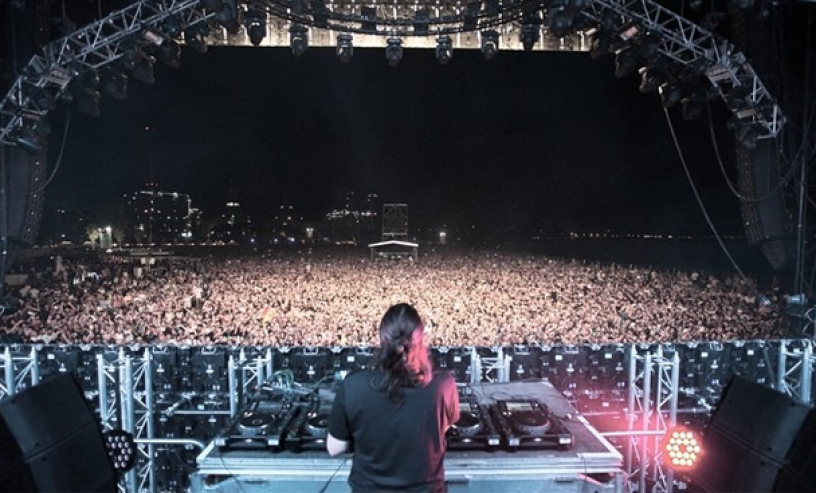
193 37
121 448
345 47
115 85
169 52
255 22
444 50
530 32
393 51
490 44
298 39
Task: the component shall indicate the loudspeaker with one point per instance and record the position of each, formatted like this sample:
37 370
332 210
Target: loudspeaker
50 441
748 439
799 472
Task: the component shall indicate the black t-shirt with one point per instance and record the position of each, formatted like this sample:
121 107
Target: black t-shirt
396 448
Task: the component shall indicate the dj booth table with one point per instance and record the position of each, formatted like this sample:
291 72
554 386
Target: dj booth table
590 465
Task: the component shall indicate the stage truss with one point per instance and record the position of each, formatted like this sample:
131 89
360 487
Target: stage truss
684 56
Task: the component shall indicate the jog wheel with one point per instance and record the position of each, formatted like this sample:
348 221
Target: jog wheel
468 424
318 426
530 422
255 424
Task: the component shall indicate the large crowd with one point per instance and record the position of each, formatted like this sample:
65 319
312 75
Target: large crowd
335 298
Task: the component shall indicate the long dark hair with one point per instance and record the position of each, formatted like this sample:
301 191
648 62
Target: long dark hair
401 357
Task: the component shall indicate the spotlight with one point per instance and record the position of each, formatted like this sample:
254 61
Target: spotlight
490 44
87 100
444 50
747 135
194 38
650 80
298 39
172 26
530 33
626 61
121 449
601 44
345 47
115 85
255 22
30 141
681 449
670 94
169 53
692 107
227 16
560 21
393 51
143 71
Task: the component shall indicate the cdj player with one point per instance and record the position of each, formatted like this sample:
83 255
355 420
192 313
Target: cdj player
528 423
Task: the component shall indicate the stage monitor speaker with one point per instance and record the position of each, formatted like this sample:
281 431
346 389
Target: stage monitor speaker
50 441
748 439
799 472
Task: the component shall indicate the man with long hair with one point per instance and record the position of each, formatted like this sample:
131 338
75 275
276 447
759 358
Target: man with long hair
395 413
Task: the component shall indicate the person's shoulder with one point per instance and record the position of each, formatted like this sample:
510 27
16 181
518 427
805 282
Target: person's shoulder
444 377
359 375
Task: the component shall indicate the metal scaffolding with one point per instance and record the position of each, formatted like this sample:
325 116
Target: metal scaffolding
652 411
17 369
46 77
794 371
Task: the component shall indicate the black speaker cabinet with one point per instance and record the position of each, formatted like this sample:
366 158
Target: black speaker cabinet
50 441
748 439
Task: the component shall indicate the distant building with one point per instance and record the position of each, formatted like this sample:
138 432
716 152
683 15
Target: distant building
232 225
356 221
158 217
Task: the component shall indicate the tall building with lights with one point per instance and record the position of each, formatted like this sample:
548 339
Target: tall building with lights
158 217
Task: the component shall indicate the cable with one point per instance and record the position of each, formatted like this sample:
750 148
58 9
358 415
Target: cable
747 281
334 474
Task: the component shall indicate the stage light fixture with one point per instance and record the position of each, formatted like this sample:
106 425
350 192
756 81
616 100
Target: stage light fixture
444 49
121 449
169 53
490 44
172 26
345 47
601 44
560 21
115 85
87 100
747 135
650 80
143 71
29 140
692 107
194 39
530 34
227 16
681 449
393 51
670 94
298 39
626 62
255 22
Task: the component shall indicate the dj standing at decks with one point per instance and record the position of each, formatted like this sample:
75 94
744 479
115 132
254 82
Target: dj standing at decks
395 414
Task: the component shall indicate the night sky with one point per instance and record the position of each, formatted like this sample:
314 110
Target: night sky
530 140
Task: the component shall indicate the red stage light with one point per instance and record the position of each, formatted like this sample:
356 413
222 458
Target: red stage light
681 449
